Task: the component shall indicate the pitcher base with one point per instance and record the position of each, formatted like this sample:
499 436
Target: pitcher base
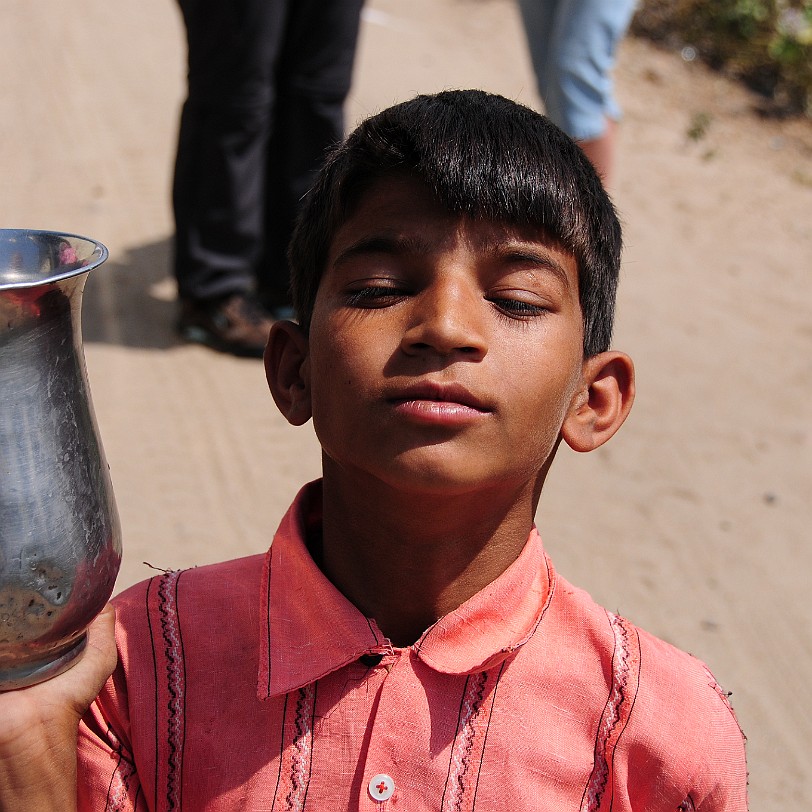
31 673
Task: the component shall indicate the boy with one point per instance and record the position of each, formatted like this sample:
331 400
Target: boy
406 643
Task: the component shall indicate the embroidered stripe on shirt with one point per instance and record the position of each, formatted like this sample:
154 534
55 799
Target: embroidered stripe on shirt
176 684
297 750
118 791
469 743
616 712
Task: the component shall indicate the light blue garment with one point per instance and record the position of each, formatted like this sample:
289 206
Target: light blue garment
573 45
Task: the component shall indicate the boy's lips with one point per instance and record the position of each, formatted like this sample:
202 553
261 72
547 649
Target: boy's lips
439 403
441 393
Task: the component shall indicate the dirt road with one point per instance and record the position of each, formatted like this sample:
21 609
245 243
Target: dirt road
694 521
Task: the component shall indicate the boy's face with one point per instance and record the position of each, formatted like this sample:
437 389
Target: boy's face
444 353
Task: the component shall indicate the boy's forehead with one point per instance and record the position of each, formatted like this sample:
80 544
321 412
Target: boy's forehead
401 210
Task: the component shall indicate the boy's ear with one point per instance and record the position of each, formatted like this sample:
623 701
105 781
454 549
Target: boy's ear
287 368
602 403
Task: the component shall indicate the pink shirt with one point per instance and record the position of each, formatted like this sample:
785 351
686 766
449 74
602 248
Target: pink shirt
255 685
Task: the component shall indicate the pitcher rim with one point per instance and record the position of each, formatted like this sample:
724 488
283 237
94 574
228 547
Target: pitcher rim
99 255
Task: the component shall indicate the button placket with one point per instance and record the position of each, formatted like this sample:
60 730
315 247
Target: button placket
380 791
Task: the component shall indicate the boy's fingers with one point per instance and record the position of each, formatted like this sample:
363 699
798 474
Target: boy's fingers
38 726
64 698
101 641
85 679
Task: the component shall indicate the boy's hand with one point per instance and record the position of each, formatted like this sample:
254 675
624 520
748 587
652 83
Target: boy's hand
39 727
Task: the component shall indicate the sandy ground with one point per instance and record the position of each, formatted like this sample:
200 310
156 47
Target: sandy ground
693 522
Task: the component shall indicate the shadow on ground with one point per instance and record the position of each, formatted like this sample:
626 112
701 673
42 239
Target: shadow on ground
130 301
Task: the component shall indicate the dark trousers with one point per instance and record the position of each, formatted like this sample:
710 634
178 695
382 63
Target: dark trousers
267 84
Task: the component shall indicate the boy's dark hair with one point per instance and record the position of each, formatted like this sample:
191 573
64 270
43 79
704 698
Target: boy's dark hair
484 156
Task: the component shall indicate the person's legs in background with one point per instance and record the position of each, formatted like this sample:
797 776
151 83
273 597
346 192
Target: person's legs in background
313 76
573 45
267 84
220 168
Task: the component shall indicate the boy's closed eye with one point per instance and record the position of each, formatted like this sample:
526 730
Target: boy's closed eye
525 294
375 293
518 305
512 303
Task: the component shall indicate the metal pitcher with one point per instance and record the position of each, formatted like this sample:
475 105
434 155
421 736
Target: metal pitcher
60 539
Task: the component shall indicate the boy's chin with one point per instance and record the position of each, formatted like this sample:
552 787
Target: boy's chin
426 482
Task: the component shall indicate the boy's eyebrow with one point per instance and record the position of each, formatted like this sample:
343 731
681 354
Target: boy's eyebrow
379 244
530 252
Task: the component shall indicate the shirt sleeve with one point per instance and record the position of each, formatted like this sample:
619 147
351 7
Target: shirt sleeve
721 778
108 780
691 746
107 777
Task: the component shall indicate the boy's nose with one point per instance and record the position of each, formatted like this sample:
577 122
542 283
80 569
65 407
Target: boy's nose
445 318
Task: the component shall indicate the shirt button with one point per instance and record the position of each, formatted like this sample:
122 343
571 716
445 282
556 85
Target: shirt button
381 787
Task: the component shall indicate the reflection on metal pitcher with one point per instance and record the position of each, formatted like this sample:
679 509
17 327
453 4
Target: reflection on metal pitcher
60 545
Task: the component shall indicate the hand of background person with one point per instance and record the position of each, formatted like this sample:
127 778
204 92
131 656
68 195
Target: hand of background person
39 727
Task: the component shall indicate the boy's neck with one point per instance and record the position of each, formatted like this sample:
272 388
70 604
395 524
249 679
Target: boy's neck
408 559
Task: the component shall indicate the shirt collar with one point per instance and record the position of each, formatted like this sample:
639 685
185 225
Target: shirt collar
309 629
